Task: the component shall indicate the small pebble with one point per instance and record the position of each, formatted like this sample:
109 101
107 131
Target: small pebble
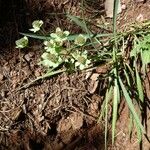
140 18
123 6
138 1
29 56
1 77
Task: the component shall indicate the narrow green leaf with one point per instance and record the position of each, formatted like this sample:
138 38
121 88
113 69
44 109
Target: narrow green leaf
145 56
139 85
78 22
131 72
130 124
127 77
116 4
36 36
140 127
107 98
115 109
70 37
139 133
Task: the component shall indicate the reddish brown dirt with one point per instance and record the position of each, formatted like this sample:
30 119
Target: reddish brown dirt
60 112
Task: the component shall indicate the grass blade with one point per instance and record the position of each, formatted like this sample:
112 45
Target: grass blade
127 77
130 124
116 2
131 72
78 22
139 85
70 38
83 25
107 98
138 124
35 36
115 108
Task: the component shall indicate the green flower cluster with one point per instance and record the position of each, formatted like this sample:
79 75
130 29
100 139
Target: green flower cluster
55 52
23 42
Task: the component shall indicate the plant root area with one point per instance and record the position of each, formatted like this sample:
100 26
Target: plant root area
60 112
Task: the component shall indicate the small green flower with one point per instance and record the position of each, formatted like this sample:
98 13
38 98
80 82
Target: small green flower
80 40
59 36
50 60
61 33
22 43
50 46
81 60
36 25
49 43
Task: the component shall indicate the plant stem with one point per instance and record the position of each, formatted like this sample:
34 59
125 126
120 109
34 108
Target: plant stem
49 74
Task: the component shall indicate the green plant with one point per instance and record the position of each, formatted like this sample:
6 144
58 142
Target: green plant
62 50
56 53
121 75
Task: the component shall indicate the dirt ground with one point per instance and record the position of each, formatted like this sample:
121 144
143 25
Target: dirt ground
59 113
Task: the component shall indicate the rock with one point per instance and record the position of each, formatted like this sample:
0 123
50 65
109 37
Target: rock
139 1
109 6
29 56
76 120
140 18
64 125
1 77
93 83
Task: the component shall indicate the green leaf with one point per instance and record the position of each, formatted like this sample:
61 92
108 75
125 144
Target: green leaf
108 97
115 11
140 127
127 77
131 72
70 37
139 85
78 21
116 99
145 57
130 124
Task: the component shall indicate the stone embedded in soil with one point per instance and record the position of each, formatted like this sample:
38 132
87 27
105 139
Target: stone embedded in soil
139 1
38 72
1 77
140 18
109 8
93 83
74 120
29 56
63 125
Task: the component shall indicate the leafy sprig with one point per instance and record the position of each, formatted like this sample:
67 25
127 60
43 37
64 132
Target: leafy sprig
55 53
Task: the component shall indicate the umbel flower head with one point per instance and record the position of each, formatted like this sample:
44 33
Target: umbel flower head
36 25
59 36
82 60
50 60
80 40
22 43
49 45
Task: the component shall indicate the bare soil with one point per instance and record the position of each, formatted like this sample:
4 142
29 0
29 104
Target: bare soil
60 112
